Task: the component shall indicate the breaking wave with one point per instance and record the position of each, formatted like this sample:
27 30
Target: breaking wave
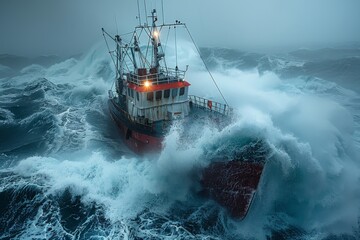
65 174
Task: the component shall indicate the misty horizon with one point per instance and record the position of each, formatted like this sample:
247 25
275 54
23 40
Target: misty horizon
71 27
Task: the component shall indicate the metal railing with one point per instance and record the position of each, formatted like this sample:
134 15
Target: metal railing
210 105
165 75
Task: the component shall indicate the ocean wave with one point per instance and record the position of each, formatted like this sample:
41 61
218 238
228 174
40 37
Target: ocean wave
73 178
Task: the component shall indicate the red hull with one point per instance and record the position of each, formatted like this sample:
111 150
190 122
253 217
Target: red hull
138 142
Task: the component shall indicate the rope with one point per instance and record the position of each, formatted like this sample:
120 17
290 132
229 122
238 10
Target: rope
207 68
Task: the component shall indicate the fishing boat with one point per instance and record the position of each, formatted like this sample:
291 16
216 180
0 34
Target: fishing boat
148 97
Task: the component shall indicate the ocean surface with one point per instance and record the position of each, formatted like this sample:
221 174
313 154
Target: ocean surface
65 174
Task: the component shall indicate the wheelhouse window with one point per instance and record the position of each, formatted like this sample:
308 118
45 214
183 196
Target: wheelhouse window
132 93
129 92
182 91
137 96
158 95
167 93
150 96
174 92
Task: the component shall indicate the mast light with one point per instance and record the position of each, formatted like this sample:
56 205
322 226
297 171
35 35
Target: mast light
155 34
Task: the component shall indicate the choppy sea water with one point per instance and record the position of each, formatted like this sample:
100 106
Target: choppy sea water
64 173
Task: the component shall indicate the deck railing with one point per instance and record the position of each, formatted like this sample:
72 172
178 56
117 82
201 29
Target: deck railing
165 75
210 105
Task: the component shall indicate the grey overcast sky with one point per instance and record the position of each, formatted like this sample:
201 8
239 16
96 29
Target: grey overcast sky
66 27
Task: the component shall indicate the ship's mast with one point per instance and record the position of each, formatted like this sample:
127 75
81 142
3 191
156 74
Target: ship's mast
119 68
155 41
136 48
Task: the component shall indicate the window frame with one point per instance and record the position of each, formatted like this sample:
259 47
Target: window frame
158 95
166 93
150 96
182 91
174 92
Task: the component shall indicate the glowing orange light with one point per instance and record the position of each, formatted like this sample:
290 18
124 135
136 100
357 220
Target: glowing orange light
147 83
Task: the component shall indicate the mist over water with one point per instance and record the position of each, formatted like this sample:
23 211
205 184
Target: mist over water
65 173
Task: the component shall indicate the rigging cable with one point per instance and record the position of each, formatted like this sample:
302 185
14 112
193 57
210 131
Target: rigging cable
176 57
164 50
207 68
167 38
107 45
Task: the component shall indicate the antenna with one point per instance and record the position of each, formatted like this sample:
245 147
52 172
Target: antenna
117 28
145 12
176 57
162 10
139 15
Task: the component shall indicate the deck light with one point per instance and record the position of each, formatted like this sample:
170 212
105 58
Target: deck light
147 83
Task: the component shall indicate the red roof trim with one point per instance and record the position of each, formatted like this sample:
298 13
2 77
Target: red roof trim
158 87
